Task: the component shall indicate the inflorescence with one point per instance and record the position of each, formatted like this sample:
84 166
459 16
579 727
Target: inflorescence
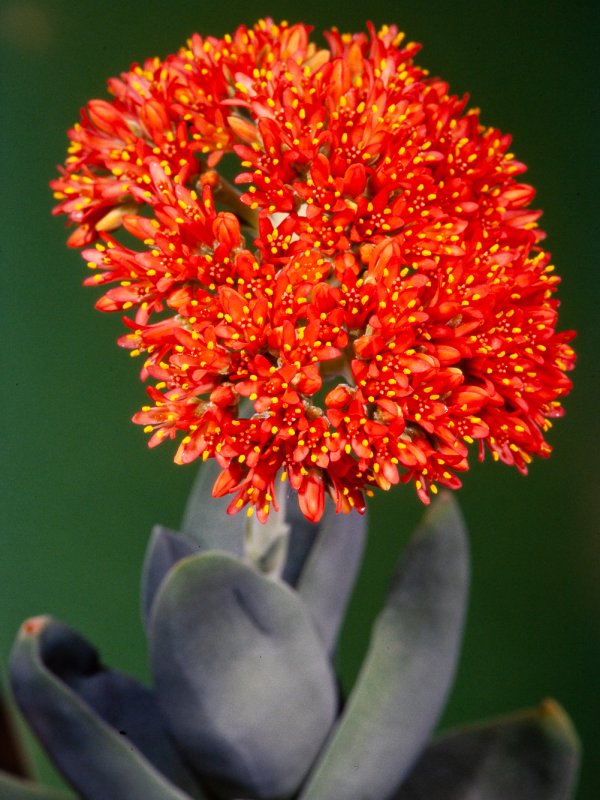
375 301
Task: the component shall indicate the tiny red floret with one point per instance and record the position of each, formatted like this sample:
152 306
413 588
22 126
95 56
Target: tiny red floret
374 301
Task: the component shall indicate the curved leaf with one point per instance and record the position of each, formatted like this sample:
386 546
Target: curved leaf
533 755
205 518
329 572
165 548
12 788
408 670
242 678
314 570
99 727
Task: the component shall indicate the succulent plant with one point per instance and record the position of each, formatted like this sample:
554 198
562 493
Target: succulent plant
245 702
375 303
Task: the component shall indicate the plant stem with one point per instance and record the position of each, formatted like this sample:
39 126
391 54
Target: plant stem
266 544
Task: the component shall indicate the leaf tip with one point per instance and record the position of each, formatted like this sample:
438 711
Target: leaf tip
34 625
557 722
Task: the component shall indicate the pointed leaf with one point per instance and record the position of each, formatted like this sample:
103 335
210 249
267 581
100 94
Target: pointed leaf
12 788
165 548
72 705
533 755
206 519
324 586
242 678
408 670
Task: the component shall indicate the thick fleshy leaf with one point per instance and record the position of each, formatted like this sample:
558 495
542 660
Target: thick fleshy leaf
533 755
12 788
408 670
241 676
328 574
165 548
206 519
314 570
100 728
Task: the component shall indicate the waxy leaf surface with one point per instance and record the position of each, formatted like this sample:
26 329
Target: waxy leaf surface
408 670
241 675
533 755
328 574
99 727
165 549
206 519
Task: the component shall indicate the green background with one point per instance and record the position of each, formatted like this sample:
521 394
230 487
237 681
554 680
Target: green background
80 489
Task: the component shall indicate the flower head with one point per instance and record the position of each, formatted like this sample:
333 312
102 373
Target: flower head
374 302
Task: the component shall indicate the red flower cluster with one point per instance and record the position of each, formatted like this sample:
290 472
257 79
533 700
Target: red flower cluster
373 303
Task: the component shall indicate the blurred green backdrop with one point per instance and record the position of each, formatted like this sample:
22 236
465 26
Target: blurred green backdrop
80 489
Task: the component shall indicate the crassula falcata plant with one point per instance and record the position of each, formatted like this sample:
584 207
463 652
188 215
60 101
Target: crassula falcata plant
373 303
245 703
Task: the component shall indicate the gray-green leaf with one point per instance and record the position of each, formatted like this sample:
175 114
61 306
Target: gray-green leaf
533 755
327 577
50 668
241 676
165 548
206 519
408 670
